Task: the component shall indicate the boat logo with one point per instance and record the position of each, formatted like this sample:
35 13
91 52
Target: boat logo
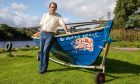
84 43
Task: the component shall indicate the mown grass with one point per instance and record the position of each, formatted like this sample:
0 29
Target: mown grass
122 67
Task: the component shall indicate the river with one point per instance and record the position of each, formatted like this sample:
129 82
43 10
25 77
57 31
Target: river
17 44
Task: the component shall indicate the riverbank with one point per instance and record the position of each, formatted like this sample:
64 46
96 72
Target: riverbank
3 50
17 44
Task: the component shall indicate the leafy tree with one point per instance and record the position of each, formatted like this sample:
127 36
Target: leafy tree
13 33
134 21
124 9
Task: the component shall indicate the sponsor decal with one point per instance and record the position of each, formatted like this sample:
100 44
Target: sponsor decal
84 44
94 35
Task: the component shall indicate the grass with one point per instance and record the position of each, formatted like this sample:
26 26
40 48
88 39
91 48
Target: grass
122 67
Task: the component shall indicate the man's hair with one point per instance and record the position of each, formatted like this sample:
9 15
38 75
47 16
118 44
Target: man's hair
54 4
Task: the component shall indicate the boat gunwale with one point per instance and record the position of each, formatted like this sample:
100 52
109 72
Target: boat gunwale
85 31
90 22
80 32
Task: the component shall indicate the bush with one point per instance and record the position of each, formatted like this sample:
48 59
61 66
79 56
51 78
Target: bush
129 35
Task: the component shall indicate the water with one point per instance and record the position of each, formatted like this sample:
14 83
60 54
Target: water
17 44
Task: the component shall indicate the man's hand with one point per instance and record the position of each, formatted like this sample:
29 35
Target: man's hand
68 32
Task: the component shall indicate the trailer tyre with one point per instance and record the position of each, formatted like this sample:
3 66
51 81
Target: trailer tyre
100 78
8 46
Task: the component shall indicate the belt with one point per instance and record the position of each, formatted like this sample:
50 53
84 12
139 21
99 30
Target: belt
48 32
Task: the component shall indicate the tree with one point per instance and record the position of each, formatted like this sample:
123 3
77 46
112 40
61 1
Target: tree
134 21
11 33
124 9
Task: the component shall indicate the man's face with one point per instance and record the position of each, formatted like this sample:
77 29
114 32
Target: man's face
52 9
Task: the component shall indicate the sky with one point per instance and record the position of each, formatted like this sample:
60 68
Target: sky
27 13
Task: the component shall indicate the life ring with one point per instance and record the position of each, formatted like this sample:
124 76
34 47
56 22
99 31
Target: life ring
8 46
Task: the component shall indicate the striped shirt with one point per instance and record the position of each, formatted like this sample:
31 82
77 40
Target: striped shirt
50 23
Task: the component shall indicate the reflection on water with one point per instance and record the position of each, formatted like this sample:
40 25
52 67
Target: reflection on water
17 43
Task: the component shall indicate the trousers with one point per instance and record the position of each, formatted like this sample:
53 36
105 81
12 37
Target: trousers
46 41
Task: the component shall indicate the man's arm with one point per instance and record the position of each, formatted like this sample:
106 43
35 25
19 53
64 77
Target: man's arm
66 29
63 25
40 27
41 22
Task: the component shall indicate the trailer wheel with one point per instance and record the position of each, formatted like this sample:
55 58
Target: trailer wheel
8 46
100 78
38 56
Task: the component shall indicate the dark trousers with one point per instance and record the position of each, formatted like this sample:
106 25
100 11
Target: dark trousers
46 41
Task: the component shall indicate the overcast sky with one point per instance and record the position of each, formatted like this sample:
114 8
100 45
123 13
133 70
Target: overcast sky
27 13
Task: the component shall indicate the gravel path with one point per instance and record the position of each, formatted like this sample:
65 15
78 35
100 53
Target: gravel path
126 48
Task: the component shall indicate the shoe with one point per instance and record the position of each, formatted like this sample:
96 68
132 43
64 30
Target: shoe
42 71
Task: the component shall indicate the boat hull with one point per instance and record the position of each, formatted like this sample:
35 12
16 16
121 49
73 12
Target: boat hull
83 47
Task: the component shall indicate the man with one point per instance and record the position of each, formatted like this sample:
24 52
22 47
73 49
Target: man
49 23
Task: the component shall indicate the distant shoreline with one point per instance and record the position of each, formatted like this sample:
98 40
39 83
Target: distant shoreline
17 43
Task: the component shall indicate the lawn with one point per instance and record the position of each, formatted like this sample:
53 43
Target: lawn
122 67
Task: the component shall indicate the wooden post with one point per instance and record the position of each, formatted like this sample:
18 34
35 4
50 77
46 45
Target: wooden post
105 53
